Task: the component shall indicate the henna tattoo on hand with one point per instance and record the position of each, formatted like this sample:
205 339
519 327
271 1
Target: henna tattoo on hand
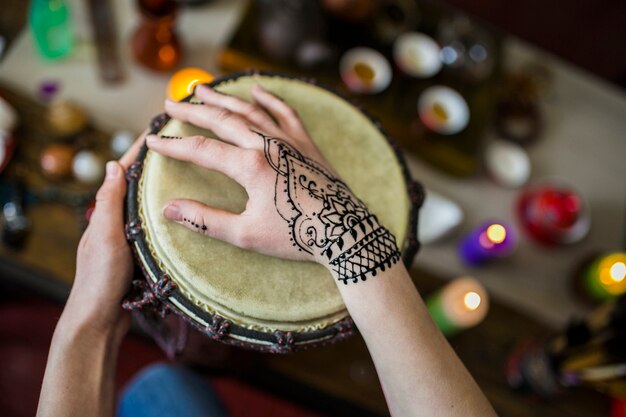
325 218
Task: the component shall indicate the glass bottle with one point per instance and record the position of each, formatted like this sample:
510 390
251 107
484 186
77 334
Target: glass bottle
155 43
51 28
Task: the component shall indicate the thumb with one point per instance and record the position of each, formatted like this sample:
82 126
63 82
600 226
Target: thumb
108 215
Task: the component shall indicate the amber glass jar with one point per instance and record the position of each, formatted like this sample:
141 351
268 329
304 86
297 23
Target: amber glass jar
155 43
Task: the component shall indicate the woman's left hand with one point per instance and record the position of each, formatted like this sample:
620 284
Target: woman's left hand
104 264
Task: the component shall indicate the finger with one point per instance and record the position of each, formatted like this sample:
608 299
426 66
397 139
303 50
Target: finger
131 154
248 111
107 220
287 117
209 221
223 122
208 153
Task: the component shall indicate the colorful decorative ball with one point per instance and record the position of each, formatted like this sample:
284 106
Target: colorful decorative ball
88 167
56 160
554 213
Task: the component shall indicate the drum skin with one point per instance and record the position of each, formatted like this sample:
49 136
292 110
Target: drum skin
241 297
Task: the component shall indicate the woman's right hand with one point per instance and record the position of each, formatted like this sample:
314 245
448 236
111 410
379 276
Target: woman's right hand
297 209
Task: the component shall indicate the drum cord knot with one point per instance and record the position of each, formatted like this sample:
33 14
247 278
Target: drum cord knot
218 328
134 171
285 342
148 293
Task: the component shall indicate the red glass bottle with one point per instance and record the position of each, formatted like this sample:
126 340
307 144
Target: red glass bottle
155 43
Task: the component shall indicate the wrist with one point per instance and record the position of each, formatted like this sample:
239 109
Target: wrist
361 252
77 324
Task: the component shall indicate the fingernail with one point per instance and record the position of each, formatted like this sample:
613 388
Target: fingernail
152 139
112 169
169 102
259 88
172 212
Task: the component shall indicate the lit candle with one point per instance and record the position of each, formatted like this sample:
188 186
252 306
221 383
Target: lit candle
184 81
459 305
365 70
605 276
443 110
489 241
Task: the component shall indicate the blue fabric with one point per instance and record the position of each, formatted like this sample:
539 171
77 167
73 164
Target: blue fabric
167 390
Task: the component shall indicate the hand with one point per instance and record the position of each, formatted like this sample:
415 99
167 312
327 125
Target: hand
297 207
104 264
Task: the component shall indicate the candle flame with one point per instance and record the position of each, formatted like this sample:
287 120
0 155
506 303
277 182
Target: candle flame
496 233
618 271
471 300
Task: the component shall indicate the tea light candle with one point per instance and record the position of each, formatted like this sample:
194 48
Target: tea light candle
417 54
443 110
462 304
489 241
605 276
365 70
184 81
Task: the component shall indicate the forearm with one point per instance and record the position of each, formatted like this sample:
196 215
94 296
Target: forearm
419 372
80 374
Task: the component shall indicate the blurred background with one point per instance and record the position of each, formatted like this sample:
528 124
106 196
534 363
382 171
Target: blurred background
511 115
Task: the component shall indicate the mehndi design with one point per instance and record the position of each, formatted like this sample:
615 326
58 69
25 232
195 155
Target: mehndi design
326 220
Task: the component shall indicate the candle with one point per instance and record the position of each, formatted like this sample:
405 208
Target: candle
417 54
489 241
184 81
459 305
605 276
443 110
365 70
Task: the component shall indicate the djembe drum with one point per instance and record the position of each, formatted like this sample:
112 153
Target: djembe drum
237 296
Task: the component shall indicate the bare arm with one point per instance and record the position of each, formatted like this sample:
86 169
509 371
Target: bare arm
80 373
299 209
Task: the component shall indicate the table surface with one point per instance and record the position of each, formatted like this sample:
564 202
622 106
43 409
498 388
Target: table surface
579 109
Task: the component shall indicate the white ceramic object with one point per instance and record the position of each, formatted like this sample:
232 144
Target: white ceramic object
87 167
438 218
443 110
121 141
417 54
507 163
358 61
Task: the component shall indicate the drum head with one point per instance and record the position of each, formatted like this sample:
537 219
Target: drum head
260 296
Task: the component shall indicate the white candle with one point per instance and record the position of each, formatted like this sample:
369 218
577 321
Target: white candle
443 110
365 70
417 54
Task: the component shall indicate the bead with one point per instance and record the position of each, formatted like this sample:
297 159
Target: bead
56 160
88 167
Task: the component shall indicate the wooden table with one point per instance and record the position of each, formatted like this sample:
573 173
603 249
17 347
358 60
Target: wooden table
340 379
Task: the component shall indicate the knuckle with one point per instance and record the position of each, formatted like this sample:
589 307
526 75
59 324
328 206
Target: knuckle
255 162
198 144
223 115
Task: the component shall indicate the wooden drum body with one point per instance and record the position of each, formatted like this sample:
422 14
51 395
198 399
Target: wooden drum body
237 296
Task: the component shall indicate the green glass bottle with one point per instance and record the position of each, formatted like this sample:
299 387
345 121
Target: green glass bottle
51 28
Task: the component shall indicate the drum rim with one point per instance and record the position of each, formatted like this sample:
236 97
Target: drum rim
163 295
